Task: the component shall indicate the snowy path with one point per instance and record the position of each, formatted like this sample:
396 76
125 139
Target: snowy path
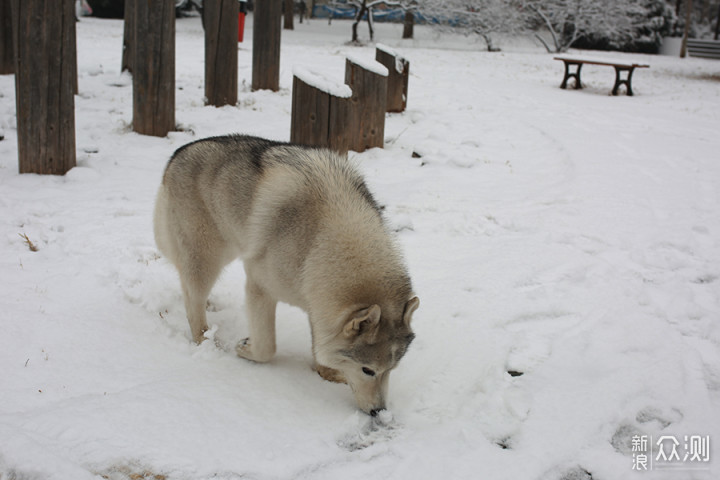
566 235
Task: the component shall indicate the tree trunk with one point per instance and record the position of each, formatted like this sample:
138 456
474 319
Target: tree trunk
371 23
303 10
128 37
705 14
154 68
266 45
221 57
358 18
46 73
686 32
408 24
289 11
7 55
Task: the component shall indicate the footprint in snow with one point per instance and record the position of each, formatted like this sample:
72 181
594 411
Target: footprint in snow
362 431
648 420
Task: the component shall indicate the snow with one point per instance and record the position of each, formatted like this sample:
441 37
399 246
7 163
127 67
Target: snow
594 58
400 62
570 236
321 82
386 49
369 64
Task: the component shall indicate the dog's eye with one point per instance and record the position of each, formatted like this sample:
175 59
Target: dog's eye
368 372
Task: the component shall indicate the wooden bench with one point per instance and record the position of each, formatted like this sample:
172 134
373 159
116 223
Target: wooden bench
703 48
620 67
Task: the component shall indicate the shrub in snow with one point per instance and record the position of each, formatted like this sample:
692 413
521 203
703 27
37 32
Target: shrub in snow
652 21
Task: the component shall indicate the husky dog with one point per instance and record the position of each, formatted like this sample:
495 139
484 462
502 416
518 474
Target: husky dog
309 233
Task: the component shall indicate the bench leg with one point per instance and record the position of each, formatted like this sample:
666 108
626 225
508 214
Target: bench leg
569 75
619 81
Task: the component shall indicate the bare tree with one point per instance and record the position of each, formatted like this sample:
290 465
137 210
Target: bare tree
367 7
475 17
569 20
686 31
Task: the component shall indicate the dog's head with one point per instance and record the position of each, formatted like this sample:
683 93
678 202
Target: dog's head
369 346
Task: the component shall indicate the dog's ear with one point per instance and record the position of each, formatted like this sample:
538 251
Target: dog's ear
362 321
410 308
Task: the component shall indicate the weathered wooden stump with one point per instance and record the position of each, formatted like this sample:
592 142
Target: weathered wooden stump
7 55
320 111
154 68
398 74
221 57
266 45
368 81
45 79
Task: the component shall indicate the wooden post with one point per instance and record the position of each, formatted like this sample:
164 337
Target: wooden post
128 37
310 114
221 57
398 74
154 68
320 116
368 81
46 71
266 45
7 55
289 15
71 50
408 24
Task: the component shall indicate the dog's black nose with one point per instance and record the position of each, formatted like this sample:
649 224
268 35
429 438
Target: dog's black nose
375 411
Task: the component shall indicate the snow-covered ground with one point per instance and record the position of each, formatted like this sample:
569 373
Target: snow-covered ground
571 236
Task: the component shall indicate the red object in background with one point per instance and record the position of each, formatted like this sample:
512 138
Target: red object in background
241 26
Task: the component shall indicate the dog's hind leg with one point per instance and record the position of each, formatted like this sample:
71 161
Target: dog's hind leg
260 346
199 268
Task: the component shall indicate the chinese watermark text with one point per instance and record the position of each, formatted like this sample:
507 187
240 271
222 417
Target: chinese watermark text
670 452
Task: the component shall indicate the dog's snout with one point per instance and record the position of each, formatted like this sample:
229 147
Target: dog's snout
374 412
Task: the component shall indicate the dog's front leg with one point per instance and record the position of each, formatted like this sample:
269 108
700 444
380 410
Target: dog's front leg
260 346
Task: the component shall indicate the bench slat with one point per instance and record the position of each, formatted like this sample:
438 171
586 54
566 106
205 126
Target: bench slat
703 48
609 63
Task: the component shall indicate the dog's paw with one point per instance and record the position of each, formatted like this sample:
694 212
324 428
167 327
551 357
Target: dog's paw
243 349
330 374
